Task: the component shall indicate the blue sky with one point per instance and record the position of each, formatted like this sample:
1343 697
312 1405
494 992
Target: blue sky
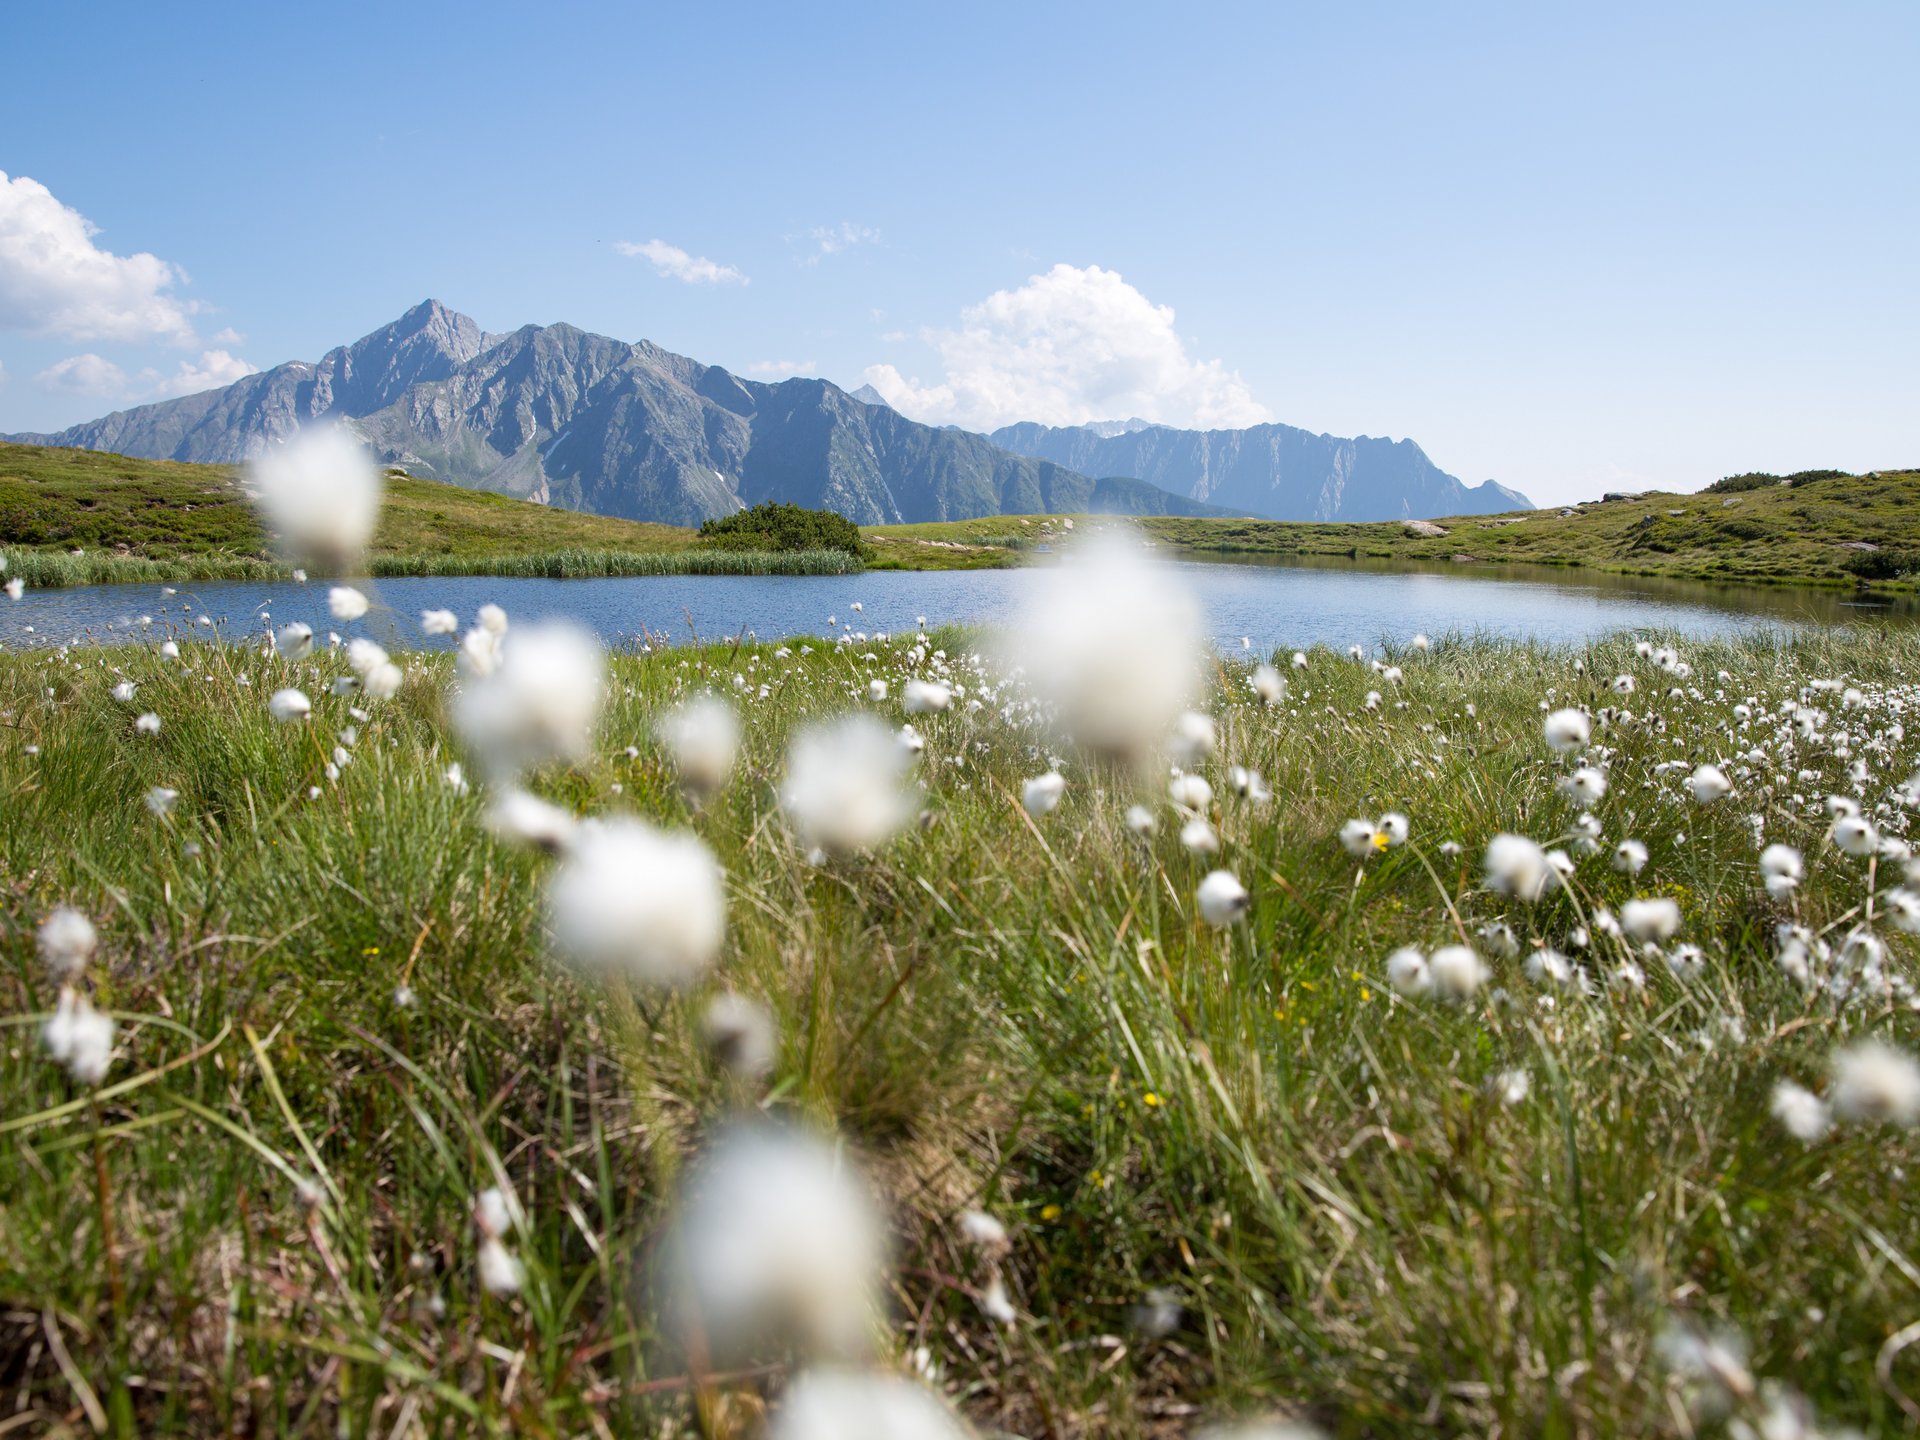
1564 248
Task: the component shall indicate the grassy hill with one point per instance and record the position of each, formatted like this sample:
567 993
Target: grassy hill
135 520
1829 530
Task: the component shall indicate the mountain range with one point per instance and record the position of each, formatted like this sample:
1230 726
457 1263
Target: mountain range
562 417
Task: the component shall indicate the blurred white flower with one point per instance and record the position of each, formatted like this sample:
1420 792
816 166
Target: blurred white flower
540 703
1457 972
67 941
294 641
1585 785
776 1239
1191 793
1269 685
925 697
346 603
631 900
1656 920
321 491
1140 820
1197 837
1803 1113
1568 730
1709 783
1360 839
160 800
501 1272
1855 836
1512 1086
739 1033
1193 739
147 724
1630 857
1040 794
286 706
1407 972
439 622
79 1037
1781 870
844 789
862 1405
528 820
1518 867
1872 1081
1222 899
123 692
1111 645
702 737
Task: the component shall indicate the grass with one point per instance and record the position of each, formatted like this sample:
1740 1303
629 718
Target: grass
153 521
1025 1016
1798 535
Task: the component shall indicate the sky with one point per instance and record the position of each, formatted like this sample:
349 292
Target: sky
1567 248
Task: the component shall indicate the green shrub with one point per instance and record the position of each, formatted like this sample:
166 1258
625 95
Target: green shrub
777 526
1881 564
1734 484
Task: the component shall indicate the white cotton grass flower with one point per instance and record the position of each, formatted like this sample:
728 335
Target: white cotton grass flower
1457 972
1193 739
1550 969
1650 921
1718 1359
439 622
1585 785
1269 685
1191 793
66 940
479 653
294 641
320 491
15 588
1804 1114
776 1241
740 1034
79 1037
925 697
644 904
1709 783
345 603
1902 908
996 1304
1111 645
1360 839
1510 1087
1630 857
1249 784
147 724
984 1233
123 692
170 650
1874 1082
836 1404
1197 837
528 820
1782 868
1855 836
702 737
161 800
1222 899
1408 973
1040 794
844 790
1568 730
877 691
501 1271
1519 867
541 702
1393 828
492 619
1140 820
1272 1428
289 705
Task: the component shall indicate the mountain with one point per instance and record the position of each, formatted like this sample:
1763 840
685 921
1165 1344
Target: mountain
1278 472
559 416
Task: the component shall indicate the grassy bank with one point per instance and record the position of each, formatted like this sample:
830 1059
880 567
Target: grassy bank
1239 1173
1817 533
149 521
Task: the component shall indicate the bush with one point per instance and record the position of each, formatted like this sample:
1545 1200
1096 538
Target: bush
1881 564
1807 477
776 526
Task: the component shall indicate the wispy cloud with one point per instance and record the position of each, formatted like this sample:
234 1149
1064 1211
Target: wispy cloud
832 239
783 367
95 375
676 264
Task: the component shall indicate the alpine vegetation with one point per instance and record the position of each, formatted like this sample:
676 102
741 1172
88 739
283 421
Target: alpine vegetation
1080 1032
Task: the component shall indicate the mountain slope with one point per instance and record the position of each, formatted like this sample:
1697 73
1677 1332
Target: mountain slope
559 416
1277 472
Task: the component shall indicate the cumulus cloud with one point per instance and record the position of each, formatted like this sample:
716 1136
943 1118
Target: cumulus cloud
1070 346
95 375
87 374
783 367
55 281
676 264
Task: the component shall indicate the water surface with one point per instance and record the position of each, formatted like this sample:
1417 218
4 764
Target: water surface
1282 605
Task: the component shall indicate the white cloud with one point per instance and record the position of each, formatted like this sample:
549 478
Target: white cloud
55 281
1069 346
91 374
832 239
229 336
87 374
783 367
676 264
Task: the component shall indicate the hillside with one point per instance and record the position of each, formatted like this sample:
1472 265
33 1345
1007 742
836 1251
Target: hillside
1824 531
1276 472
585 422
162 520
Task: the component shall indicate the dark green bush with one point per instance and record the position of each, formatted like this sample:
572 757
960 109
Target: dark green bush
1734 484
1881 564
777 526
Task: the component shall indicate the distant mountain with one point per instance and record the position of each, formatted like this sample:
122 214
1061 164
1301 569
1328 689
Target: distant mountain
562 417
1275 471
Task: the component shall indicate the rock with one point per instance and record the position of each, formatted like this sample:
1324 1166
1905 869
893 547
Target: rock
1425 529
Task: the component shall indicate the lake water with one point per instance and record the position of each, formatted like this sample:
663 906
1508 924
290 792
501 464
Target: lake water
1277 605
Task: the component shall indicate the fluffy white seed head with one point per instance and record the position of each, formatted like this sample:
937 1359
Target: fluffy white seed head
528 820
1653 921
1855 836
776 1241
1709 783
1269 685
1803 1113
67 941
1222 899
1040 794
79 1037
346 603
540 703
1568 730
925 697
1781 870
1457 972
1630 857
1111 645
836 1404
702 737
1872 1081
320 491
1408 974
289 705
1191 793
1519 867
439 622
739 1033
844 791
633 901
1193 738
294 641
